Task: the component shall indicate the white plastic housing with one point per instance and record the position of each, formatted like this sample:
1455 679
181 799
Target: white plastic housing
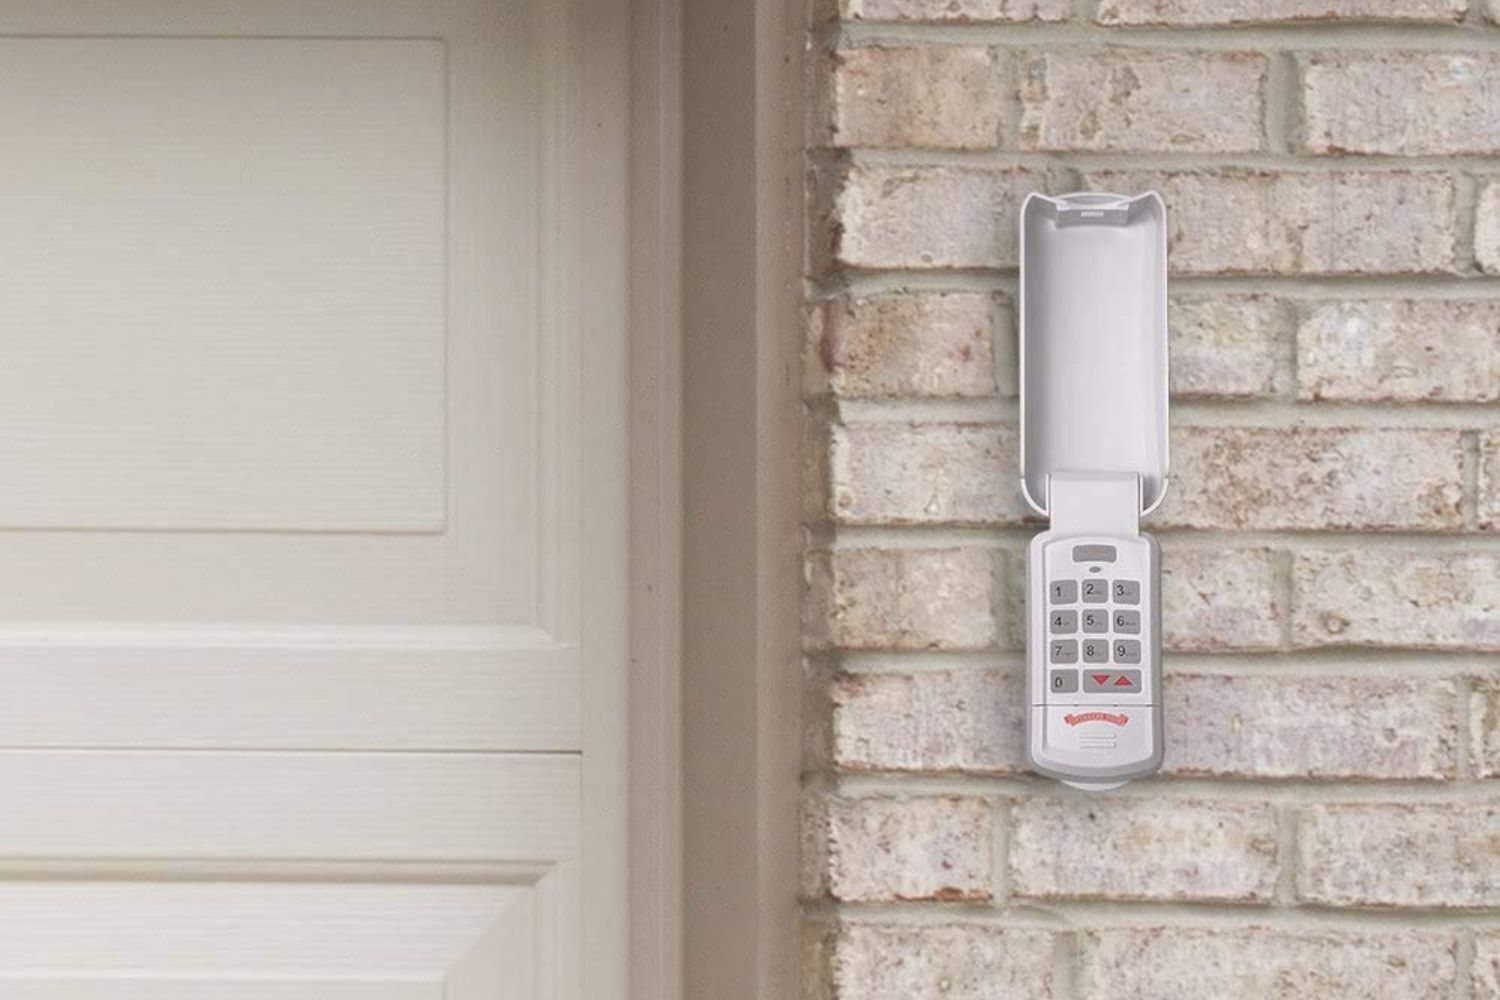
1094 458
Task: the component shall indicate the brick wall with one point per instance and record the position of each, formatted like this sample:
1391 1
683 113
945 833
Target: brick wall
1327 823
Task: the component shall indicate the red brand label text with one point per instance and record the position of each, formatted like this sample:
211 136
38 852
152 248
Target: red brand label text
1116 718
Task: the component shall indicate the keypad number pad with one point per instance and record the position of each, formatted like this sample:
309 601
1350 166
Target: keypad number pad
1102 636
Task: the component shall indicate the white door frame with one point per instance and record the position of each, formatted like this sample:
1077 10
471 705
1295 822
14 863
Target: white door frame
716 433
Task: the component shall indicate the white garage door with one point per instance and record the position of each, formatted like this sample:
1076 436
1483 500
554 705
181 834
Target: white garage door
310 504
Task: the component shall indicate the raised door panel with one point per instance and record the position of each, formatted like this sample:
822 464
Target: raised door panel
286 331
224 284
350 940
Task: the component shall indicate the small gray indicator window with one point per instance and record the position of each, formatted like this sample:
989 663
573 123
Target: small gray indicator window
1093 553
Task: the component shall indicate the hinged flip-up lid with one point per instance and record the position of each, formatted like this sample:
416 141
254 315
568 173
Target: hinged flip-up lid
1094 340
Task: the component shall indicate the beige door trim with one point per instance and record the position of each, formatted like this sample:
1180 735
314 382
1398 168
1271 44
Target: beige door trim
742 413
655 745
715 223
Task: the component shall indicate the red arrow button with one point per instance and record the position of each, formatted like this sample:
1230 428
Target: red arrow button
1099 678
1122 681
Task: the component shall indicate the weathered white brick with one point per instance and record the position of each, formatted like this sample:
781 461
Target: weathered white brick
1417 598
1344 222
1407 350
1252 478
1355 726
1214 600
1487 946
1489 480
1400 854
882 848
935 96
871 598
1225 345
1143 848
893 473
1258 963
1436 103
1196 12
937 721
943 962
1091 99
1487 228
954 10
1484 725
926 217
911 344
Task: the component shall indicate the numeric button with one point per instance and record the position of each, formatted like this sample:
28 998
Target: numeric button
1095 651
1064 622
1127 651
1063 591
1064 650
1095 592
1095 621
1126 591
1128 622
1064 682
